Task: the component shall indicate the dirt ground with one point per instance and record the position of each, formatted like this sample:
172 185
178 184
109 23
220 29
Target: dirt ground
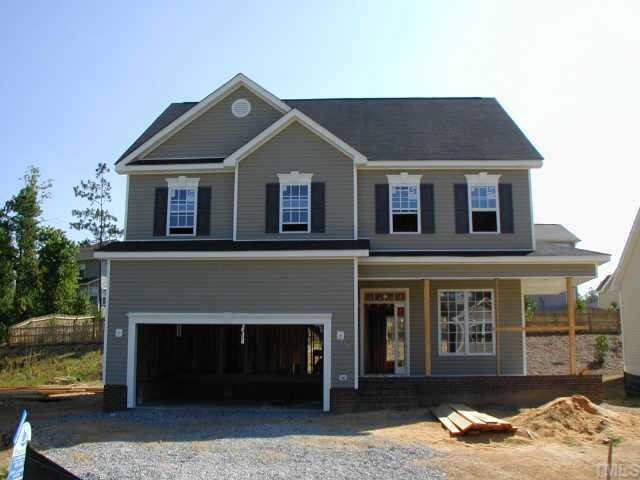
497 455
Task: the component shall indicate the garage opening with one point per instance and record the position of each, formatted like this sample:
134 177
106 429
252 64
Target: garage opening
274 364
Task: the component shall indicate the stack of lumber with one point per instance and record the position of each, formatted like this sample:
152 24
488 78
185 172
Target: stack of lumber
48 393
459 419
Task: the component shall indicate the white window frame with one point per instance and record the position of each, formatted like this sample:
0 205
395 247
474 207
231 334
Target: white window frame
405 180
82 270
182 183
466 352
483 179
293 179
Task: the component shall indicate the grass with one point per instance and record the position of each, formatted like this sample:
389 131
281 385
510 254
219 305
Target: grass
50 365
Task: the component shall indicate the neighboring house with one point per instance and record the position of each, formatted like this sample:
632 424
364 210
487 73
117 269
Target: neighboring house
625 282
606 296
361 252
89 275
558 235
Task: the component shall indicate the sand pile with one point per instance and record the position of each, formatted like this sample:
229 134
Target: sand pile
571 418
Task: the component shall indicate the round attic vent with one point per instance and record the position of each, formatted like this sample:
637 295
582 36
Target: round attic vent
241 108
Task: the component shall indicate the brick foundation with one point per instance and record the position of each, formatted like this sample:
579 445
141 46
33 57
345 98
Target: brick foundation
114 398
632 384
402 393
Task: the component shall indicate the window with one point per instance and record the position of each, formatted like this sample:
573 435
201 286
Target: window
404 203
82 270
295 202
104 297
483 203
466 322
182 205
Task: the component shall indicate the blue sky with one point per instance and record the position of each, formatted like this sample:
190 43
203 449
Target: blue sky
80 80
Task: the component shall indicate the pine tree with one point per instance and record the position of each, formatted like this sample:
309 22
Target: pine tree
96 218
7 273
58 271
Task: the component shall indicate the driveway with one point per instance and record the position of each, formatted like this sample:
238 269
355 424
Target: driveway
229 443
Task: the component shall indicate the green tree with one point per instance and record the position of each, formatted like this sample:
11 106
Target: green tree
58 271
7 272
96 218
81 304
25 209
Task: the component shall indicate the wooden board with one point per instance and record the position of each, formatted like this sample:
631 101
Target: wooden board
442 414
459 419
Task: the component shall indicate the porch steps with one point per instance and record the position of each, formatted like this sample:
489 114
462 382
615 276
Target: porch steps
460 419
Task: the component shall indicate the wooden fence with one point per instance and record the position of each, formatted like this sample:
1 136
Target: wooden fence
592 321
56 330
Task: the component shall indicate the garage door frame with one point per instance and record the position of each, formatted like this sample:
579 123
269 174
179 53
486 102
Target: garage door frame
227 318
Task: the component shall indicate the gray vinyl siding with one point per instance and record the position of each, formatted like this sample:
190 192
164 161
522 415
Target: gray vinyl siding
217 132
462 270
141 201
295 286
296 149
511 345
92 268
445 236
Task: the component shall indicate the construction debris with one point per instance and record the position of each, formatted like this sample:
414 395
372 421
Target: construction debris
44 394
460 419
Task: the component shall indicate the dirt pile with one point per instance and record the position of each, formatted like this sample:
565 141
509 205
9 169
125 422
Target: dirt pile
571 418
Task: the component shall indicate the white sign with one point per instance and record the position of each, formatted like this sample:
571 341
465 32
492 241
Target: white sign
20 442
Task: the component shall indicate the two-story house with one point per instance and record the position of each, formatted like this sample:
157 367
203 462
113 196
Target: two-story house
93 279
358 252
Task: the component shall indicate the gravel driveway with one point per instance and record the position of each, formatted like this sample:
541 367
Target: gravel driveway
175 443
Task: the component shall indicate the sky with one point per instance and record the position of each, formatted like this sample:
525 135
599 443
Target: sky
80 80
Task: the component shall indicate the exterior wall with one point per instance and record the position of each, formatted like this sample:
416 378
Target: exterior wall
444 270
511 343
217 132
92 268
141 201
630 312
294 286
445 237
607 297
296 149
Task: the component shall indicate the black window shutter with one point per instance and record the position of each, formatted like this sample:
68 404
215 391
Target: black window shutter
461 199
382 208
427 209
317 207
160 212
203 221
506 208
272 208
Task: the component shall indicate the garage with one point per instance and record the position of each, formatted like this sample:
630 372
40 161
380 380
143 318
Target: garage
224 359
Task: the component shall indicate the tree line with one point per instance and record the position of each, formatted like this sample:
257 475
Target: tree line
38 267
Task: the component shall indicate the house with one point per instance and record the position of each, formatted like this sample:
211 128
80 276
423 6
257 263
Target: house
558 235
354 252
625 282
90 275
607 297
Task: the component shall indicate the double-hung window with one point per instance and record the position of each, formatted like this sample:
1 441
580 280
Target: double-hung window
466 322
483 203
295 202
182 206
404 191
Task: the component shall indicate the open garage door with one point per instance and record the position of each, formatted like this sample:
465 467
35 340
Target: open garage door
235 359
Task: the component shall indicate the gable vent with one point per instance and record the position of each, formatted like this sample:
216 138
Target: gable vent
241 108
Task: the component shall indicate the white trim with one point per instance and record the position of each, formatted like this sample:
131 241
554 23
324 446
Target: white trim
355 202
452 164
407 340
634 236
583 259
235 203
292 179
105 329
418 212
466 352
126 208
533 225
204 105
182 183
278 126
227 318
404 179
524 333
243 255
483 179
356 337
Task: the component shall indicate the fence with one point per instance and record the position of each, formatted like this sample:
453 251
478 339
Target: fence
56 330
592 321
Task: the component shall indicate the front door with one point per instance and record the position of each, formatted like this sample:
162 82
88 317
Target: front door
385 332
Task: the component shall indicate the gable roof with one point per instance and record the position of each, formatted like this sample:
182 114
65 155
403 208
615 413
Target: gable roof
404 129
632 240
554 232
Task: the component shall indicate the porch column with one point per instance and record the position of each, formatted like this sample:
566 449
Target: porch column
571 315
427 326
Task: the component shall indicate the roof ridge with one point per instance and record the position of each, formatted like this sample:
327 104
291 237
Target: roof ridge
387 98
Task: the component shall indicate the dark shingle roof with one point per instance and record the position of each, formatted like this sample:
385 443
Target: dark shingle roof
405 128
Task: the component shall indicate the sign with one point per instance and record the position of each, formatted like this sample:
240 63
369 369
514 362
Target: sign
20 441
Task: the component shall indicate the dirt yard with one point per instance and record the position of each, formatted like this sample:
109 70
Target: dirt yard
76 432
